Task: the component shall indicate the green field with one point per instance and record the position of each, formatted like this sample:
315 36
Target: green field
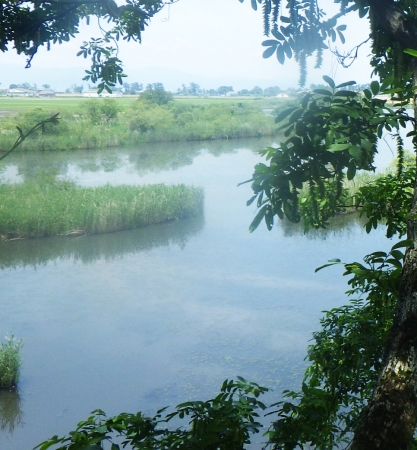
57 104
72 104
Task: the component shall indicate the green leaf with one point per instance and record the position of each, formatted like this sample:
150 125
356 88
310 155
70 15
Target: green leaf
287 49
331 262
397 254
348 83
269 52
323 92
404 243
305 100
351 172
339 147
280 54
367 93
363 11
250 201
258 219
378 254
387 81
297 114
374 87
269 43
341 37
329 81
354 151
411 51
394 262
284 114
343 93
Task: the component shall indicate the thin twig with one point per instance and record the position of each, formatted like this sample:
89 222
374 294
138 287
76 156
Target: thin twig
23 136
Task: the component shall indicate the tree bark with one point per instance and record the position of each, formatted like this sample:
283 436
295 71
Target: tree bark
389 420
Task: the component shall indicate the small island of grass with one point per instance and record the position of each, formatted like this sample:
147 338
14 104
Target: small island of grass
37 209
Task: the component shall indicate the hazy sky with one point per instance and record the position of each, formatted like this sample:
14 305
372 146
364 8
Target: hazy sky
210 40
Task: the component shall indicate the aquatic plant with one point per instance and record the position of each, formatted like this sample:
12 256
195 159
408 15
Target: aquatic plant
51 207
10 361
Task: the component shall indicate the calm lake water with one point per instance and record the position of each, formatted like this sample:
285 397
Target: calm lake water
142 319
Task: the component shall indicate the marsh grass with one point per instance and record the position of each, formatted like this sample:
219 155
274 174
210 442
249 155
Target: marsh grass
37 209
10 362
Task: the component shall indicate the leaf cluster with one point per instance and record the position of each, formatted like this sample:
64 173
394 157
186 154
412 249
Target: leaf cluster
345 358
331 134
225 422
29 25
300 33
388 198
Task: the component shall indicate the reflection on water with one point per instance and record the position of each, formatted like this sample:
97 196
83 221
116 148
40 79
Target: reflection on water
154 157
341 225
11 415
87 249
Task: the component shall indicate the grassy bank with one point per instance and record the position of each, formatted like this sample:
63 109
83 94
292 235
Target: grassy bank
98 123
36 209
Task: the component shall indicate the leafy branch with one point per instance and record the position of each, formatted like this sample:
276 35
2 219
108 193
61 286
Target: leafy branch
224 422
24 135
330 135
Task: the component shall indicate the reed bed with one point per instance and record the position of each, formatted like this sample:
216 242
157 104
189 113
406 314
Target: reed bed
34 209
10 362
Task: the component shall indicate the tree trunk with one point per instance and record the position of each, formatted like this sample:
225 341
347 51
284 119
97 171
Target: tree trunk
389 420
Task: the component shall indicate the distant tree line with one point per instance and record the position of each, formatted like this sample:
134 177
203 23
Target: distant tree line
195 89
28 86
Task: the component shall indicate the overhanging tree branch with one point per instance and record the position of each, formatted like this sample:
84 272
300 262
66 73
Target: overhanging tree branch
24 135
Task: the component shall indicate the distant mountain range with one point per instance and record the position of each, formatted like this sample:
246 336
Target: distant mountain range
62 78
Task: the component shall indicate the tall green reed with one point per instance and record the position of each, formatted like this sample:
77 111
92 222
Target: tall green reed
10 362
42 208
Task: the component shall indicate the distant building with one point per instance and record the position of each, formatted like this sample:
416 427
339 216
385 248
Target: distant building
20 92
92 93
46 93
282 95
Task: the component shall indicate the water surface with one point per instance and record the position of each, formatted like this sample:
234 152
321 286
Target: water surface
146 318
